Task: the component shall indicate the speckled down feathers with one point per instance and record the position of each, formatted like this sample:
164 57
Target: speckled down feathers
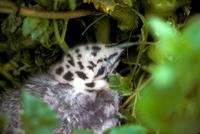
75 110
85 103
86 67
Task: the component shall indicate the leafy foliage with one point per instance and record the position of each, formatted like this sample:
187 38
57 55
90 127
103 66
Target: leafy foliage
38 118
128 129
37 28
123 84
4 118
78 131
169 102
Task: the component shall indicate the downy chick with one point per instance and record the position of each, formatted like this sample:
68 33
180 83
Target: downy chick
76 88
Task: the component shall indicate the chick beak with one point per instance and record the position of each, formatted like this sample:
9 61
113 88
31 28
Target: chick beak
113 61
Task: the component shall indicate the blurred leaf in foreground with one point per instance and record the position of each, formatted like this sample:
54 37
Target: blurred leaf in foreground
4 117
169 103
128 129
38 117
79 131
161 7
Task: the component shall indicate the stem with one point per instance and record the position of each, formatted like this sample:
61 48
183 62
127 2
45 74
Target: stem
130 98
135 70
140 16
64 46
54 15
60 39
56 31
101 17
7 10
64 30
6 3
45 14
55 4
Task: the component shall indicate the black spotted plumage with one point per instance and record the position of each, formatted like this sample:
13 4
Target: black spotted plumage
96 48
91 84
68 76
59 70
77 50
90 67
67 66
79 56
70 60
94 54
82 75
76 111
99 60
80 65
87 47
92 64
100 71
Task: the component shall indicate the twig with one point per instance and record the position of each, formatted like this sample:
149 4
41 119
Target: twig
130 98
60 38
101 17
10 7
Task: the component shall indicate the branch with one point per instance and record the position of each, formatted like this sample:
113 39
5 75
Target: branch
10 8
47 14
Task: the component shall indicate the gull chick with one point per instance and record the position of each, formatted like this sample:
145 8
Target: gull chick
76 88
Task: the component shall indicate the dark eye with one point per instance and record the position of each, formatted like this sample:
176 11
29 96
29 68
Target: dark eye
100 72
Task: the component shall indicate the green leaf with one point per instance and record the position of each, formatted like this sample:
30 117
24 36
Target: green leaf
164 75
102 31
11 24
169 102
38 117
122 84
126 18
167 36
128 129
72 4
36 28
4 118
161 29
45 38
46 3
163 8
79 131
29 25
191 33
